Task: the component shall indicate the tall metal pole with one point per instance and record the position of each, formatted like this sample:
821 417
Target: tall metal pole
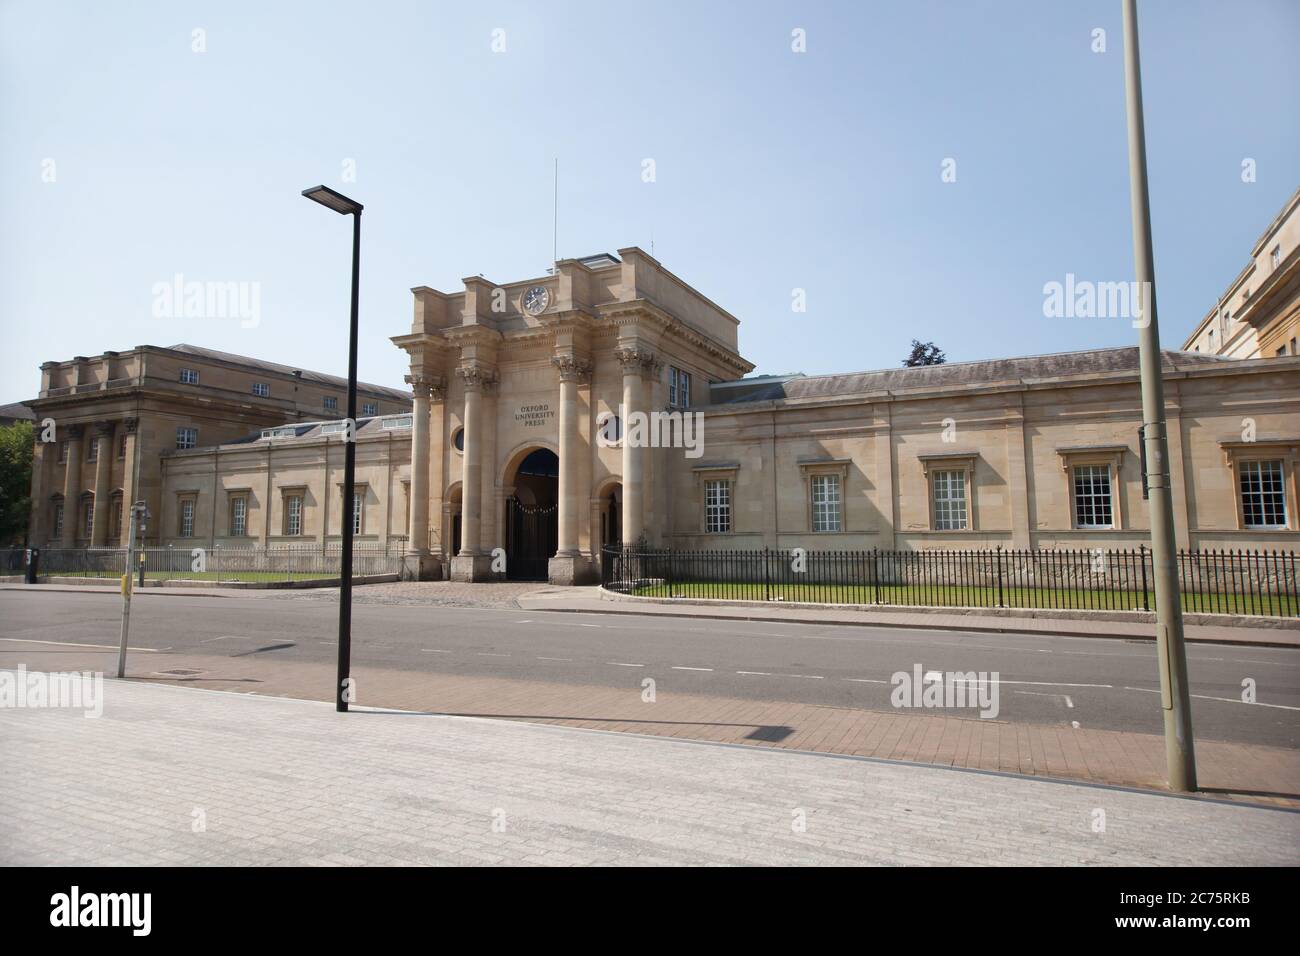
127 588
343 690
1174 696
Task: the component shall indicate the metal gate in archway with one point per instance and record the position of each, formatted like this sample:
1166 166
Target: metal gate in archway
532 535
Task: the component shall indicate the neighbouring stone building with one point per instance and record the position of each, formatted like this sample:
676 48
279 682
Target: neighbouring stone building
117 416
1258 316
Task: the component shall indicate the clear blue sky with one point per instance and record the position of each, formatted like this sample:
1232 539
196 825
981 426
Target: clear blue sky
775 170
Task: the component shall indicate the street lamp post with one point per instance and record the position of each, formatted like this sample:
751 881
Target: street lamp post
1180 754
345 206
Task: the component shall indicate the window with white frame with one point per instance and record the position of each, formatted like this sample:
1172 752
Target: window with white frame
1093 506
121 446
58 519
239 516
293 514
331 403
88 517
948 495
92 450
115 528
261 389
717 506
186 523
826 501
189 376
187 437
357 499
679 387
1263 494
1276 256
369 409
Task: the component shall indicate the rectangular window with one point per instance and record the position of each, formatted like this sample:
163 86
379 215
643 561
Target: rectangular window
1276 256
826 502
679 387
717 506
331 403
1263 498
1092 501
369 409
293 514
261 389
88 519
115 529
189 376
58 521
186 529
357 498
949 496
187 437
92 450
121 446
239 516
63 451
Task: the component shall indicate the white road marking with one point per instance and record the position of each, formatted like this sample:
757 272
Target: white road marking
867 680
591 625
765 674
621 664
692 668
488 654
111 647
555 658
1222 700
434 650
755 674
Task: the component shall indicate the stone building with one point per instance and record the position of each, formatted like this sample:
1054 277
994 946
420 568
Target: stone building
607 402
115 416
1258 316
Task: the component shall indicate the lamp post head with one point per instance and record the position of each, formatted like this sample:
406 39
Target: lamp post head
334 200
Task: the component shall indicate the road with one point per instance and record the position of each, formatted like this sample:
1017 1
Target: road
1090 682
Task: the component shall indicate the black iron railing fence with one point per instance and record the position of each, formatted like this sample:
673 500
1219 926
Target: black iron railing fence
1211 581
275 563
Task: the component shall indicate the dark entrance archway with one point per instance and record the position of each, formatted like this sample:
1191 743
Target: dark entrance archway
532 516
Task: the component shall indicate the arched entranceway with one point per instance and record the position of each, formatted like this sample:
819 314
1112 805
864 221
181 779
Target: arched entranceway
532 516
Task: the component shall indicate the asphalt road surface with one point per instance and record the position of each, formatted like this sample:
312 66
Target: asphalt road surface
1094 682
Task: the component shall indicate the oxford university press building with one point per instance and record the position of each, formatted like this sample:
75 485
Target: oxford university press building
608 401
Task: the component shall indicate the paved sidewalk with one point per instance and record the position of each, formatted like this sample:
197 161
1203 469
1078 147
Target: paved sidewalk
172 776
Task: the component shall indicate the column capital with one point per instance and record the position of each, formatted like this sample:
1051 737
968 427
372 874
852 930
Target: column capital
635 360
427 386
477 378
105 429
572 368
130 424
74 431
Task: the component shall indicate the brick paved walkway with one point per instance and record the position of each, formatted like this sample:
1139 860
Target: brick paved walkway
1260 774
174 776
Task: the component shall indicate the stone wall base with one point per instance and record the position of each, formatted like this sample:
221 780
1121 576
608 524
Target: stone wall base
469 568
570 569
421 567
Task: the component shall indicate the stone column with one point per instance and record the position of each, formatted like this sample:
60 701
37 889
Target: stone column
72 486
470 564
569 566
415 563
437 472
634 361
103 436
129 426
